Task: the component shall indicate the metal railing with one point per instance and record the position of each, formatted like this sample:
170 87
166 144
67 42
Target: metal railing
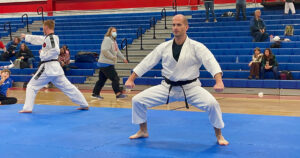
152 24
164 15
9 29
42 12
174 5
139 33
26 21
126 50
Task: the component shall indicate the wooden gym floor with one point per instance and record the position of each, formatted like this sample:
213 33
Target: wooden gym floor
230 103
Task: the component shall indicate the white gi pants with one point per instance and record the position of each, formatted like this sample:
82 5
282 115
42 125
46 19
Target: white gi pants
288 6
60 82
195 94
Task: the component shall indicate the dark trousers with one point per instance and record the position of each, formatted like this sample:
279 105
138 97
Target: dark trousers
7 100
260 37
254 69
240 7
104 74
209 6
274 69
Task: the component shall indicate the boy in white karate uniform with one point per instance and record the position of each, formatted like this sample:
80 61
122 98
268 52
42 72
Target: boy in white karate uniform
181 60
49 70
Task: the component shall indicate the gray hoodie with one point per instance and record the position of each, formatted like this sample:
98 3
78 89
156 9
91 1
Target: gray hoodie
108 54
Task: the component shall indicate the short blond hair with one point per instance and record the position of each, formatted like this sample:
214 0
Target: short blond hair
50 24
6 70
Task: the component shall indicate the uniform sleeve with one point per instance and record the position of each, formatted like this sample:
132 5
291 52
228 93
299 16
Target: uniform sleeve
105 48
209 61
35 40
149 61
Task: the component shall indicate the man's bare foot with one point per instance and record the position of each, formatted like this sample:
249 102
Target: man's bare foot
83 108
222 140
25 111
139 134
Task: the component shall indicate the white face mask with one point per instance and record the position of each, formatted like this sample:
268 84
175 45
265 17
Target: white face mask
114 34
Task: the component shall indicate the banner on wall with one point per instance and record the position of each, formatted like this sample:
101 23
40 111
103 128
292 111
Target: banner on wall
15 1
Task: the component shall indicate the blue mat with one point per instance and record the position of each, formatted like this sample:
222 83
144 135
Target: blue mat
62 131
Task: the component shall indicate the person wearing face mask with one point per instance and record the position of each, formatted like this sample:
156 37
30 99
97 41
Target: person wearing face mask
108 58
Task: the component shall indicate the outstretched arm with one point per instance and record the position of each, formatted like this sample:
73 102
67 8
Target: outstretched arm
33 39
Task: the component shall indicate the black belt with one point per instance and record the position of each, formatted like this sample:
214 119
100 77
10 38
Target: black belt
179 83
37 76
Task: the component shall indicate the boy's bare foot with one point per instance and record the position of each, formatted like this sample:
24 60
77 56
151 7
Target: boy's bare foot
25 111
139 134
83 108
222 141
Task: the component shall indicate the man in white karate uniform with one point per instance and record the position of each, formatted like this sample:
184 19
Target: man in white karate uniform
181 60
49 70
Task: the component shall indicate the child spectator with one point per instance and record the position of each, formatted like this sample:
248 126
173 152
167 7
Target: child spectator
255 64
5 83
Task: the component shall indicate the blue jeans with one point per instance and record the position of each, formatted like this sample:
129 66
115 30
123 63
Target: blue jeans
209 6
30 61
274 69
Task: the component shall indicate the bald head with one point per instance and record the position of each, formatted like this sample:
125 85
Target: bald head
181 18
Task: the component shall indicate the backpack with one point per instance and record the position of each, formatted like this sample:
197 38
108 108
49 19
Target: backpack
86 57
289 30
286 75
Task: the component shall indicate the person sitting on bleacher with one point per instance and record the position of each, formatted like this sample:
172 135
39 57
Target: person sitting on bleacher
2 46
255 63
258 28
25 56
64 58
12 46
269 63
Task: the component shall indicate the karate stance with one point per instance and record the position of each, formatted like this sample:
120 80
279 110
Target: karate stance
50 70
181 60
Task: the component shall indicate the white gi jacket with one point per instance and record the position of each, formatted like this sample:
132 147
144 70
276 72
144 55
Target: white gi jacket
193 54
50 50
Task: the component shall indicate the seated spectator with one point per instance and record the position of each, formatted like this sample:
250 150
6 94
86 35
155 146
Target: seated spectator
255 63
240 5
25 56
258 28
269 63
12 48
5 83
64 58
2 46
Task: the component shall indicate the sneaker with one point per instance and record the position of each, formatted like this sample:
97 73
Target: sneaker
121 96
97 96
215 20
206 21
250 77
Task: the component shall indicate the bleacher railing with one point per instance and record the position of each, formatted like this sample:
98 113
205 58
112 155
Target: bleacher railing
26 21
152 24
139 33
164 15
40 12
9 29
126 50
174 5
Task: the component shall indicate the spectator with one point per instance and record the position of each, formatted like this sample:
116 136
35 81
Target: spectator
5 83
255 64
2 46
25 56
289 5
241 5
107 59
258 28
269 63
209 5
64 58
11 47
